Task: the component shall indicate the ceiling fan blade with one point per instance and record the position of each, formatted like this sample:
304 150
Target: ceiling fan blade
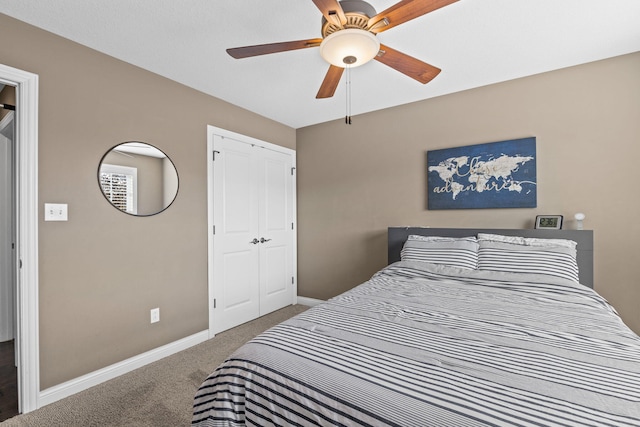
404 11
332 11
264 49
407 65
330 82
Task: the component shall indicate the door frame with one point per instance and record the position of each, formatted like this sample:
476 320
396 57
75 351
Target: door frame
26 182
211 131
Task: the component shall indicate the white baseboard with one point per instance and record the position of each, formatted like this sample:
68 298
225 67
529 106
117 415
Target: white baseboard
84 382
309 301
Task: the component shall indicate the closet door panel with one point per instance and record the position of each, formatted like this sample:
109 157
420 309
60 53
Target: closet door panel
276 270
236 255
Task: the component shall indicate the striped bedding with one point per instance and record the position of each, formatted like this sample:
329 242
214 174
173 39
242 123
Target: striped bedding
429 345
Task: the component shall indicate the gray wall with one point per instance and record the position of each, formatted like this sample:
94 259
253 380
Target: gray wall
103 270
355 181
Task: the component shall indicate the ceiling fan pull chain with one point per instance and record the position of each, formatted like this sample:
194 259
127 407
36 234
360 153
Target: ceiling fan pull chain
347 118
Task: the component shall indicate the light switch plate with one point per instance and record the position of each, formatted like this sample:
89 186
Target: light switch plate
55 212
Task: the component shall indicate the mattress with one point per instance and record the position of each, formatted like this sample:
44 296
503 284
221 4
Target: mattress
430 345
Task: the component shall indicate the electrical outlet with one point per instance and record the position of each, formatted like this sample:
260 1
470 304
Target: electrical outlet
155 315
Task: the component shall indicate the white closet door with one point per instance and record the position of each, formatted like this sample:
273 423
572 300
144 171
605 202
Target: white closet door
236 278
276 234
253 242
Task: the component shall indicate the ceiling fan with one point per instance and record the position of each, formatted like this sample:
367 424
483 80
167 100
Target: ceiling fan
349 29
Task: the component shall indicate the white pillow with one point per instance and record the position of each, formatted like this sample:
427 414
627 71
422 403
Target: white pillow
459 252
554 257
527 241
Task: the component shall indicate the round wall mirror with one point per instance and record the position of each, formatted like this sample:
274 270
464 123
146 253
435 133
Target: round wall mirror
138 179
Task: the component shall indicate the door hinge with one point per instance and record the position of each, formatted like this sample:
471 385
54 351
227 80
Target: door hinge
292 226
292 282
292 169
214 155
214 303
214 229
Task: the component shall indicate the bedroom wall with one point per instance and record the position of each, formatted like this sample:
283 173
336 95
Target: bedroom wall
372 176
102 271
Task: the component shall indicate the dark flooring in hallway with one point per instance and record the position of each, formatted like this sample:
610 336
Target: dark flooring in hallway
8 381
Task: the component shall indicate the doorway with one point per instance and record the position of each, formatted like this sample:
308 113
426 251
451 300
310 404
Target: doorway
25 248
8 324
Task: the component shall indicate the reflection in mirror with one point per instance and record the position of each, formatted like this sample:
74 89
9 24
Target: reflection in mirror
138 179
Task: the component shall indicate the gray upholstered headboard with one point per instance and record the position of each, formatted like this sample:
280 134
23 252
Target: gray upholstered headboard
584 239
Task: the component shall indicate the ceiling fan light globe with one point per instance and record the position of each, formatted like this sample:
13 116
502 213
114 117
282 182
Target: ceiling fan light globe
348 44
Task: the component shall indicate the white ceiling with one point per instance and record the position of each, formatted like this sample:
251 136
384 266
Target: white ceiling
474 42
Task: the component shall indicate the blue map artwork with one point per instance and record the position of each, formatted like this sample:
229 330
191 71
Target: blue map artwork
494 175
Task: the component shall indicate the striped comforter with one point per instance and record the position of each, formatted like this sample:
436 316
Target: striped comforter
427 345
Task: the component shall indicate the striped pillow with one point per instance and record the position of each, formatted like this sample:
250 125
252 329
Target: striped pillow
458 252
538 256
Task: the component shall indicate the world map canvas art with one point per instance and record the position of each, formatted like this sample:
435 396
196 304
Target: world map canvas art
493 175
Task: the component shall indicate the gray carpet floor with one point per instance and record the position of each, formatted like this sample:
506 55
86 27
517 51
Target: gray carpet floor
158 394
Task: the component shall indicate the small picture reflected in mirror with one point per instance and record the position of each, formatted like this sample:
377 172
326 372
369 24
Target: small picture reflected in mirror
138 178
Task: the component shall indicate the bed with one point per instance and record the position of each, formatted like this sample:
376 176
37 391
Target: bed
431 341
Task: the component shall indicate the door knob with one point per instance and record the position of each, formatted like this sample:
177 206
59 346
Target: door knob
255 241
263 240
